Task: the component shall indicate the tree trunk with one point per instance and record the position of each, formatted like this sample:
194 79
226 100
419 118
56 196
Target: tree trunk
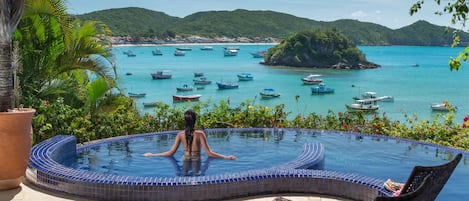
6 77
10 15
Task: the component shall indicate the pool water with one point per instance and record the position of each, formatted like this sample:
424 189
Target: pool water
367 155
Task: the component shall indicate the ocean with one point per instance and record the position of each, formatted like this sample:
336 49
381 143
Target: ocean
414 88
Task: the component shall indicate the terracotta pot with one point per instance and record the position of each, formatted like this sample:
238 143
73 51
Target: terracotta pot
15 146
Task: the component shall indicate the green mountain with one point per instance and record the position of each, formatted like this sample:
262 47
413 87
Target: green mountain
244 23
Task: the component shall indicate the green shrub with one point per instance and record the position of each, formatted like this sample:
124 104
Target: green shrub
56 118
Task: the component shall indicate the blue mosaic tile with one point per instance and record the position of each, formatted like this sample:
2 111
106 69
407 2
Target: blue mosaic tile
48 173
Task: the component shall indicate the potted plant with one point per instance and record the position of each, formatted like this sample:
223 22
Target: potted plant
15 123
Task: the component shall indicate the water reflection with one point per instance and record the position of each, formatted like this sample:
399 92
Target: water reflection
190 167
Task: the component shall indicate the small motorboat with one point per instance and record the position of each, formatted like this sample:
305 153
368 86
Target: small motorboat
184 87
128 73
386 98
157 52
227 85
162 74
230 52
202 80
131 54
184 48
245 77
259 54
180 98
443 107
268 93
321 89
179 53
206 48
364 105
151 104
137 95
198 74
311 79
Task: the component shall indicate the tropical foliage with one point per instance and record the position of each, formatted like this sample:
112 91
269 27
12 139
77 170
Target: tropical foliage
57 118
63 58
243 23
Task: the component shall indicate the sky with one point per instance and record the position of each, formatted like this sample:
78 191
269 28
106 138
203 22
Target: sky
390 13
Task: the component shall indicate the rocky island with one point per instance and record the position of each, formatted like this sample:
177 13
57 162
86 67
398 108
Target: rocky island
318 49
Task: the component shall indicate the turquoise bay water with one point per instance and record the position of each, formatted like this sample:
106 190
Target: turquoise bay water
414 88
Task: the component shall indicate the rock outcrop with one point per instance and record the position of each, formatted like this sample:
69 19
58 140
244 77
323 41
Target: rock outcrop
318 49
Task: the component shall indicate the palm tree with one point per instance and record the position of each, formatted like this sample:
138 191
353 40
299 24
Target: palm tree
59 54
10 14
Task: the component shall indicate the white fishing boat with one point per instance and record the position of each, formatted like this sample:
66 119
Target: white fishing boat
311 79
443 107
364 105
230 52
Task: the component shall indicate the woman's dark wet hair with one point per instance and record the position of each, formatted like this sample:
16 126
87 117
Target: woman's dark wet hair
190 117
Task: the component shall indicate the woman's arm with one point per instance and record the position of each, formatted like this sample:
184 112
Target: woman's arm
171 151
203 141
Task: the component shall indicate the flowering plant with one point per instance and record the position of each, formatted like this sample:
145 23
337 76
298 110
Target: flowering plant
465 124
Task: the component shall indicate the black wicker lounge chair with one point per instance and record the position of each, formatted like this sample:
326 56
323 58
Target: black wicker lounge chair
425 183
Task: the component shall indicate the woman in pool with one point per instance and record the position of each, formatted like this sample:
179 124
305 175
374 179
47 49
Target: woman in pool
193 140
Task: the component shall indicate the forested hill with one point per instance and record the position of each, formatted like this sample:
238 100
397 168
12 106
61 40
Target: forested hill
245 23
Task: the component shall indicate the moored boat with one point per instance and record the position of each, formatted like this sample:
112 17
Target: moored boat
443 107
162 74
245 77
364 105
184 48
227 85
157 52
372 94
137 95
259 54
179 53
321 89
150 104
206 48
131 54
184 87
386 98
128 73
311 79
230 52
198 74
202 80
269 93
361 107
179 98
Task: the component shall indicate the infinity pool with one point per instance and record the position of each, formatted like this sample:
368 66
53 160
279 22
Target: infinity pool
367 155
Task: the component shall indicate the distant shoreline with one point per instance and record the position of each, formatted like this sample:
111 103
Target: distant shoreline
189 44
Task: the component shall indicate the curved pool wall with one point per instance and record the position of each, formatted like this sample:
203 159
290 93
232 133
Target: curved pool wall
46 170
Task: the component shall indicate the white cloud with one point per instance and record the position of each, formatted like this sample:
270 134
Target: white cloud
358 14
